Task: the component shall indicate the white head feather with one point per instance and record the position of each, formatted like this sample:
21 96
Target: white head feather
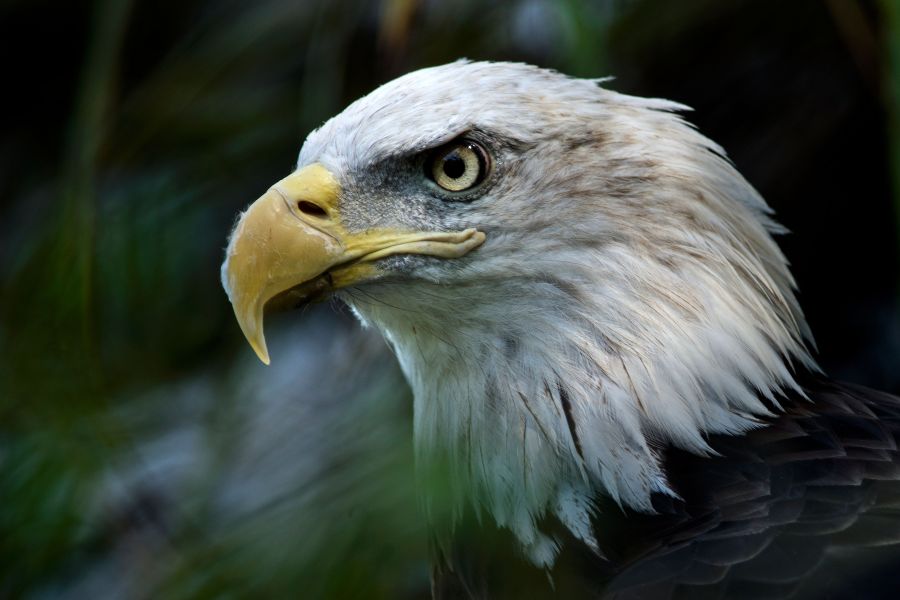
629 295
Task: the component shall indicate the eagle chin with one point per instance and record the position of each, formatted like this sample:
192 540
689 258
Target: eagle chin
576 282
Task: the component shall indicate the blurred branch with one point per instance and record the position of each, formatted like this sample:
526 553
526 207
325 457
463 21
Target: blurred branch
858 34
891 13
394 28
79 168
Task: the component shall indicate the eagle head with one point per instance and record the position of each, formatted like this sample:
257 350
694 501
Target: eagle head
572 280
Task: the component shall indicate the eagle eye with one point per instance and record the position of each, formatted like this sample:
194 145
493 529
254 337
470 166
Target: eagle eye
458 166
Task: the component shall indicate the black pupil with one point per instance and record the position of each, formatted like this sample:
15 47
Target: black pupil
454 165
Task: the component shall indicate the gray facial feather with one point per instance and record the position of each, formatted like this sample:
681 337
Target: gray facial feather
629 294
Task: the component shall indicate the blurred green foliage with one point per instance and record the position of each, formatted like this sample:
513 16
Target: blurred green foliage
143 451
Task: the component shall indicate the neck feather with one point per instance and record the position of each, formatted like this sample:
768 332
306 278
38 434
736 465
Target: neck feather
542 402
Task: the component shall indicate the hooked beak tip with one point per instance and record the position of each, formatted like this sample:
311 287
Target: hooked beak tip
262 353
251 324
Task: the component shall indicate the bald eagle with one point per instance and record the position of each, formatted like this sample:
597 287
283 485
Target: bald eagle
602 336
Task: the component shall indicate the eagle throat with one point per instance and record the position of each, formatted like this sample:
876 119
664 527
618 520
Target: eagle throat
536 407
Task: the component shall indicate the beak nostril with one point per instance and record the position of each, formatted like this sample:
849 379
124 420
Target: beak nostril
311 209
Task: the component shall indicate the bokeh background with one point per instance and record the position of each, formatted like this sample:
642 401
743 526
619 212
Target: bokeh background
145 452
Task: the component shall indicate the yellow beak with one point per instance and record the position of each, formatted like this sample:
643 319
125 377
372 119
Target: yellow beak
290 245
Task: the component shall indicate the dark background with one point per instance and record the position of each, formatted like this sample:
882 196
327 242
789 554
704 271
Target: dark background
143 449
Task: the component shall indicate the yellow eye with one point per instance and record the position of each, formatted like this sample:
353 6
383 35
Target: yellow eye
458 166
